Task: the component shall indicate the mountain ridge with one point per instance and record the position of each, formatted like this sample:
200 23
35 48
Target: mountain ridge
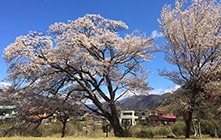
142 102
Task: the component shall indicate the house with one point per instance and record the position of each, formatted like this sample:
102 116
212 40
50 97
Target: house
156 117
40 113
7 112
128 117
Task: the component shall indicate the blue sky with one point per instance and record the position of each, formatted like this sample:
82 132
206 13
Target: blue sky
18 17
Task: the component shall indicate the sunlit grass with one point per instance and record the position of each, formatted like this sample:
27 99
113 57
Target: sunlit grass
66 138
90 138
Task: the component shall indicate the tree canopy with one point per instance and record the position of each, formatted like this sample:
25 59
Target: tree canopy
87 55
193 36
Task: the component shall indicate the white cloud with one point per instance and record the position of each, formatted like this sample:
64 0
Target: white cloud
156 34
157 91
4 84
173 88
162 91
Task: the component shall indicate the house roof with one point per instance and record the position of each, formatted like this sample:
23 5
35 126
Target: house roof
7 106
40 109
39 113
39 116
169 117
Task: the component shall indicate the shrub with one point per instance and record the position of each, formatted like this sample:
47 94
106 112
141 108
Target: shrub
50 129
178 128
206 126
162 130
127 133
144 134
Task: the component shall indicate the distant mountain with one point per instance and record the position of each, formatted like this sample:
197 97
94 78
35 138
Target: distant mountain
142 102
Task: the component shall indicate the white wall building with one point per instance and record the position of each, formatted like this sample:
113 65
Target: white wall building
128 117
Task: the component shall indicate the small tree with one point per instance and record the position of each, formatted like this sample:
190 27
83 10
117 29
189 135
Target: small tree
194 40
86 55
32 108
63 117
68 108
23 115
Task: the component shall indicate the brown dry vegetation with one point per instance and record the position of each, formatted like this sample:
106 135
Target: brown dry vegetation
86 138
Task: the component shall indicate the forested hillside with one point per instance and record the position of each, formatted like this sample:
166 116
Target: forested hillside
142 102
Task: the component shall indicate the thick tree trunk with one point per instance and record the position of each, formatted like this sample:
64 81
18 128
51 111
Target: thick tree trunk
188 119
188 116
111 114
117 128
115 123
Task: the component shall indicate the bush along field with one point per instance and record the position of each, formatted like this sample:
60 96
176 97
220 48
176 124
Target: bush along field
89 129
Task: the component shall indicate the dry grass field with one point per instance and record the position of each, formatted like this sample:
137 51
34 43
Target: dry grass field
88 138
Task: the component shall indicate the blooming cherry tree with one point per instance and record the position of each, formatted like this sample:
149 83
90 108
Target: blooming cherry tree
194 39
85 55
